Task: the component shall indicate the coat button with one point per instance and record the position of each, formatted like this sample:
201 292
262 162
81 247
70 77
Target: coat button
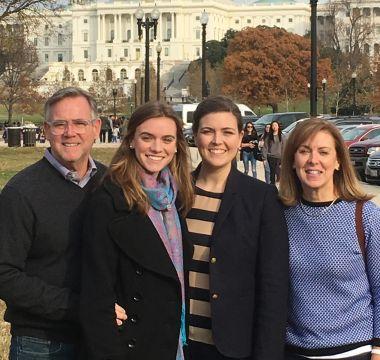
132 343
139 271
134 319
215 296
137 297
213 260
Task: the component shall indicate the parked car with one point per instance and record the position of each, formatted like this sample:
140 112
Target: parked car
359 153
361 133
353 120
372 169
284 119
189 137
292 126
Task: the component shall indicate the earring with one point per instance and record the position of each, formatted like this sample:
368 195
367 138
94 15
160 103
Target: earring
131 146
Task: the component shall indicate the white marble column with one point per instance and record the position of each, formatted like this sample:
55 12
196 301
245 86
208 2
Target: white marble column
132 18
98 23
104 28
174 27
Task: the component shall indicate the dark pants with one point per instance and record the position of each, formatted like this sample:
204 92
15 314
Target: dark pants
200 351
274 166
357 357
103 133
29 348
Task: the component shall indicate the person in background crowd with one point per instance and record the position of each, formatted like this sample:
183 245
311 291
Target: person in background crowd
41 215
239 274
104 128
261 145
115 134
272 151
137 246
334 234
111 119
249 147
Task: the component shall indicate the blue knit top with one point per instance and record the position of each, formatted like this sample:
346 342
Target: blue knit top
334 302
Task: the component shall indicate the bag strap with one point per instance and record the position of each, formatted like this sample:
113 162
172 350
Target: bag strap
359 226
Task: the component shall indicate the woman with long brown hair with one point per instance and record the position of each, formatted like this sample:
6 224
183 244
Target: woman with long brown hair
334 241
135 245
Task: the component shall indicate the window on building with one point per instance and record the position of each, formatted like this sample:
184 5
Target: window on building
321 20
85 21
123 74
60 39
377 29
66 74
197 34
237 21
60 57
80 75
169 33
125 52
278 21
85 36
347 13
197 52
46 41
109 74
263 21
356 12
347 48
249 21
46 27
109 52
112 35
128 35
166 51
138 54
95 75
376 11
366 11
85 54
366 49
376 49
46 57
290 20
112 19
197 18
60 26
35 41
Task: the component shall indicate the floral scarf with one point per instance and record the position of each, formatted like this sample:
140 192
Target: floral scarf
162 192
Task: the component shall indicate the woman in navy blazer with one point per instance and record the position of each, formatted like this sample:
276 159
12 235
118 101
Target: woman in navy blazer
239 273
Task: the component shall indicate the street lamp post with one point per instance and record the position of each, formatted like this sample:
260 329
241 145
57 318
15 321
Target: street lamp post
141 89
135 85
353 77
158 49
313 64
114 94
147 24
324 105
204 21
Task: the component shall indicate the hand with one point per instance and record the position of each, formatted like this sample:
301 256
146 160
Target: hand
121 315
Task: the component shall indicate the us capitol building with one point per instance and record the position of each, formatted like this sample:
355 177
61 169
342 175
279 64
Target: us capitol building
95 40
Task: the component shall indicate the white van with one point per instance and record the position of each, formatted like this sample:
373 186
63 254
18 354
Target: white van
186 112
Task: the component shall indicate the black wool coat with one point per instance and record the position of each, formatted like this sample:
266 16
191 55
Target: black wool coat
125 262
249 271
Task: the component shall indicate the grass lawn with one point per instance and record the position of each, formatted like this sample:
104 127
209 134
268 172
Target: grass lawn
12 160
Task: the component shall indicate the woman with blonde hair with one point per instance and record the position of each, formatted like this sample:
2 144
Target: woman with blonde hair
135 244
334 240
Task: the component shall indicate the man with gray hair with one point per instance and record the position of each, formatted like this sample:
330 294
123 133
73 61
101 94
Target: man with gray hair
41 211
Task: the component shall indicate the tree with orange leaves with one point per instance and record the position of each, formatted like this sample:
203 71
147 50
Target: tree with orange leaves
269 65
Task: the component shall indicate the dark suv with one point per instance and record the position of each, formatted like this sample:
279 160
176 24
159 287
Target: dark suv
284 119
359 153
372 169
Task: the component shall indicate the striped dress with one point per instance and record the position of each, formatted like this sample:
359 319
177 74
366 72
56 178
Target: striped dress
200 222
